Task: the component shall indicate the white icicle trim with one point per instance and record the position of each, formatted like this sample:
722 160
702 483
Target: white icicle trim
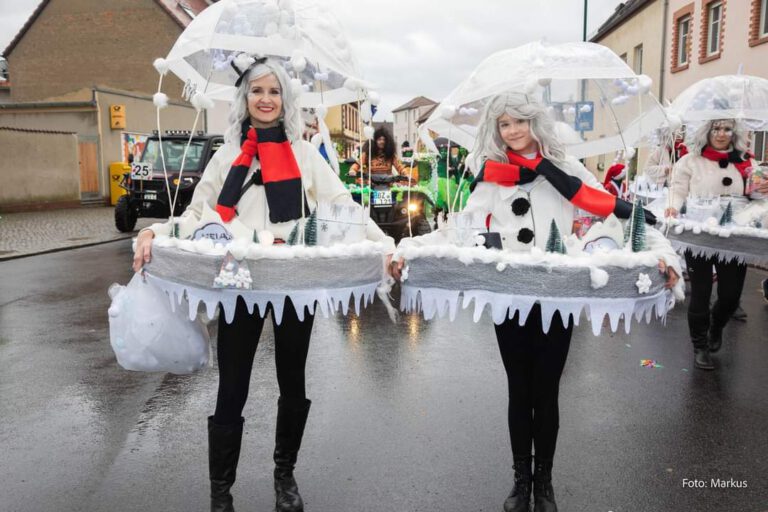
201 102
160 100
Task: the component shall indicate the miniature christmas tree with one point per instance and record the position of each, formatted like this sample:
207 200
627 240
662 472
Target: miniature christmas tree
727 216
555 241
637 227
310 229
293 238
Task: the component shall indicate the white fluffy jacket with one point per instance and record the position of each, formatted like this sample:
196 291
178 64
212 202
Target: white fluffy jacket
698 176
320 183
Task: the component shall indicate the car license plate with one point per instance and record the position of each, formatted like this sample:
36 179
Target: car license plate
141 171
382 198
150 196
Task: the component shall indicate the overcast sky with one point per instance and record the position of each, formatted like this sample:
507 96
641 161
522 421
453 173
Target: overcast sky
423 47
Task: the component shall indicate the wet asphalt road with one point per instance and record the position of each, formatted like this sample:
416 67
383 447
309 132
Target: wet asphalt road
405 418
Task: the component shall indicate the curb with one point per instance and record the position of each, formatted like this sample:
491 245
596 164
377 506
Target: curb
60 249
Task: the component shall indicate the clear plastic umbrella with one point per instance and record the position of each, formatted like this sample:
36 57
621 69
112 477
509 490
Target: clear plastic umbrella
308 39
741 97
586 86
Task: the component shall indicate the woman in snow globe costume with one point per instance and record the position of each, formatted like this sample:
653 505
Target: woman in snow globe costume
718 164
262 187
516 143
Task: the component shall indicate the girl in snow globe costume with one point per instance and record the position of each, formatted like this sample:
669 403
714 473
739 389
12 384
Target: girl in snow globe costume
262 187
516 143
718 164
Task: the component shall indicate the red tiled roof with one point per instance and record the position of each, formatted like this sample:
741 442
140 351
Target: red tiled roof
174 8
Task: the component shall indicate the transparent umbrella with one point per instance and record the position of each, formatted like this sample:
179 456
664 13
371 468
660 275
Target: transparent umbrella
587 87
309 40
741 97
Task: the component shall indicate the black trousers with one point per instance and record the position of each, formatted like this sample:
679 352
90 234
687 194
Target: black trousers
534 362
730 283
236 348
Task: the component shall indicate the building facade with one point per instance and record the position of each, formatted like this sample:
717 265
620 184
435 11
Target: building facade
405 125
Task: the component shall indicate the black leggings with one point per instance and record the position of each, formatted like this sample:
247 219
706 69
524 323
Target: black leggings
730 283
534 362
236 347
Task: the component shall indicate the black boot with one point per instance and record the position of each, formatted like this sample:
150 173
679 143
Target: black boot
716 329
698 326
223 453
543 494
519 500
291 419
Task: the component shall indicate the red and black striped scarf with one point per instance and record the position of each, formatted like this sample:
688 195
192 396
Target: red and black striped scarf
279 173
521 170
724 158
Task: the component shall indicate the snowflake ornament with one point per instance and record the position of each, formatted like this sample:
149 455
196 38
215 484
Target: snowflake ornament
643 283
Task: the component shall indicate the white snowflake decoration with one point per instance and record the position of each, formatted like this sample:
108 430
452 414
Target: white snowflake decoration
643 283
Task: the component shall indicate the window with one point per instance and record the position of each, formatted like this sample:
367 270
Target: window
637 61
758 146
683 35
763 31
714 26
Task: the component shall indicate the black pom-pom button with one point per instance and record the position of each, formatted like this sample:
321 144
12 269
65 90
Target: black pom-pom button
525 235
727 181
723 163
520 206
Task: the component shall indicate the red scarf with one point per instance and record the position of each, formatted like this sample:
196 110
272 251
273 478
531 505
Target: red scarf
521 170
724 158
279 173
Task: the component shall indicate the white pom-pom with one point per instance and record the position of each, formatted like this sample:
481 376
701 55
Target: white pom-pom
321 111
321 77
501 266
531 84
365 111
545 81
696 230
374 98
368 132
243 61
629 153
271 29
620 100
201 102
674 121
644 82
306 87
467 111
161 65
679 229
296 87
598 277
160 100
447 111
585 108
352 84
633 90
298 63
266 238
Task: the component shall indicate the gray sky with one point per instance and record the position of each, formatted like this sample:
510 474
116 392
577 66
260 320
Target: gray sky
419 47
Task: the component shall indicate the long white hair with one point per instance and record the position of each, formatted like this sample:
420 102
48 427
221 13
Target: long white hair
699 139
518 106
238 112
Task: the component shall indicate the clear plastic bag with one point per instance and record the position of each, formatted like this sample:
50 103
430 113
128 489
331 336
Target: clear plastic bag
147 335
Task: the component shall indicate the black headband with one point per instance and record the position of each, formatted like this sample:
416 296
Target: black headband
242 74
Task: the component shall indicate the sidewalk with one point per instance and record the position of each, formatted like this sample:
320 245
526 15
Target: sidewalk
29 233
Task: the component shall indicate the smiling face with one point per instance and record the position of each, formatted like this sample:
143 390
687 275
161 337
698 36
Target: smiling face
516 134
265 101
721 135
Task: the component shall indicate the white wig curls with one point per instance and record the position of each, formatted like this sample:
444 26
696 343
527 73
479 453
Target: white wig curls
518 106
699 139
238 112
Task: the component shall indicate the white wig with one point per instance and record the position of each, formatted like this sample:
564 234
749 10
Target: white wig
518 106
238 111
697 140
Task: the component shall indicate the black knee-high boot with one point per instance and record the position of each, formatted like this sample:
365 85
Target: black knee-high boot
291 419
543 494
519 500
698 326
223 453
